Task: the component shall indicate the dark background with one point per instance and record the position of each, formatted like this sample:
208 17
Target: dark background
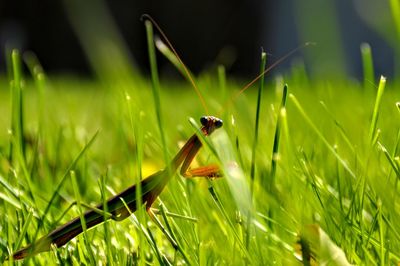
231 32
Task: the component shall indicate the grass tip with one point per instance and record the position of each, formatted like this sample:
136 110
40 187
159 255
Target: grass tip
37 70
160 44
263 53
192 121
40 76
14 53
145 17
365 47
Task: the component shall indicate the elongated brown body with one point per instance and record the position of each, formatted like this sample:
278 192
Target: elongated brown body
151 187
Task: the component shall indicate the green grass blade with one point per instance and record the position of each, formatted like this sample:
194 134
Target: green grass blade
170 235
172 58
368 65
221 208
395 9
39 77
381 234
18 123
24 230
255 142
147 234
257 120
107 235
342 131
8 187
320 135
275 148
390 160
82 217
375 114
137 132
61 183
156 87
17 147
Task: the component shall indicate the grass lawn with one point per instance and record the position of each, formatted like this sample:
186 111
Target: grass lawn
320 181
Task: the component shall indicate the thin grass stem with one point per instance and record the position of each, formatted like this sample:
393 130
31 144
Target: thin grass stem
375 114
368 65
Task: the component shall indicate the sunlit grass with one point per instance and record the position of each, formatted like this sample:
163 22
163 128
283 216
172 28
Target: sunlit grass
325 161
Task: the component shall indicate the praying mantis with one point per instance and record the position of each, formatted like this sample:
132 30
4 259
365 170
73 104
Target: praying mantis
122 205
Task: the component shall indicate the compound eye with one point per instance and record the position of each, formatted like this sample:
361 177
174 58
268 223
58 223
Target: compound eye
218 123
204 120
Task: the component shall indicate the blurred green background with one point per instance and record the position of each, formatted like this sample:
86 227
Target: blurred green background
71 36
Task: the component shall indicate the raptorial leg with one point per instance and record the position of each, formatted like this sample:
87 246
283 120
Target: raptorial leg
209 171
